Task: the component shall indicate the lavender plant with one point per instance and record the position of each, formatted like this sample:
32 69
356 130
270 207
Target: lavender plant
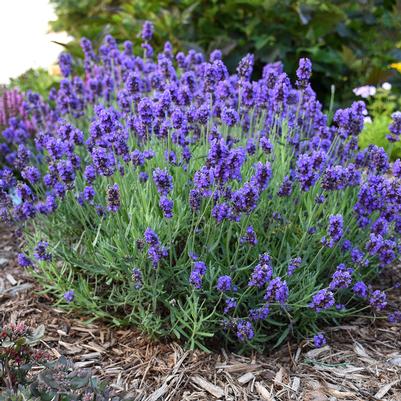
164 193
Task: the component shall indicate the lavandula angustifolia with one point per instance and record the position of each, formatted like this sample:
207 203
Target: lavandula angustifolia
218 165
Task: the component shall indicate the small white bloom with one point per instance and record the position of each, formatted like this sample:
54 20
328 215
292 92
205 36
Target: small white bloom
367 120
365 112
386 86
365 91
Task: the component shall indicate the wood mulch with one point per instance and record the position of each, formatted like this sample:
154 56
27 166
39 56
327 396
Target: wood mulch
362 362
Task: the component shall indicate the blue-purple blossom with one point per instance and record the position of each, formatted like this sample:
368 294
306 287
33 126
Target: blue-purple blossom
147 31
324 299
89 194
259 313
41 251
304 72
197 273
137 278
397 168
31 174
262 273
69 296
23 260
395 127
277 290
113 198
231 303
395 317
319 340
229 116
156 253
151 237
224 283
262 175
245 330
360 289
341 278
378 300
334 230
166 205
249 237
163 181
293 265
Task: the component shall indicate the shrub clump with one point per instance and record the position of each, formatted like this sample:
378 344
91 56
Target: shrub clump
165 193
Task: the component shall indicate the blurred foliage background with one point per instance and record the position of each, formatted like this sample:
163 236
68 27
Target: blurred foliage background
350 42
36 80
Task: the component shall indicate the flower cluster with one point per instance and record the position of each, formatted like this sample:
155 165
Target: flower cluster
180 196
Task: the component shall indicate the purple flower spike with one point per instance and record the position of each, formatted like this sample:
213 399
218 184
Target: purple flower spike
69 296
113 198
224 283
319 340
245 331
304 73
41 251
324 299
163 181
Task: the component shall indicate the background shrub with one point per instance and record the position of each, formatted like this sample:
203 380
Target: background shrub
349 42
381 104
36 80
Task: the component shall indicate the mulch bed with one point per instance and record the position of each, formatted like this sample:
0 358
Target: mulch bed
362 362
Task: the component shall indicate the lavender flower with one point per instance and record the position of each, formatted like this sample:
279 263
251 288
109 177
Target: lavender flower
137 278
395 317
304 73
341 278
293 265
143 176
259 313
334 230
231 303
163 181
378 300
324 299
113 198
224 283
151 237
262 176
229 116
166 205
41 251
262 273
277 290
244 331
319 340
397 168
69 296
360 289
249 237
23 260
197 273
147 31
395 127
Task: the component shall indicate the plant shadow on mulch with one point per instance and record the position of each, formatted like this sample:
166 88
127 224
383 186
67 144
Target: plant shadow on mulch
361 362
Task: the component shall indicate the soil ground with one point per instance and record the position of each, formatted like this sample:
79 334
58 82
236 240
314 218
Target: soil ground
361 362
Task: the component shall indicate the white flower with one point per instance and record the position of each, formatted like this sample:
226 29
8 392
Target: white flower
386 86
365 91
367 120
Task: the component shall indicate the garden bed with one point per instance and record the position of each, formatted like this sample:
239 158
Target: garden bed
361 362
